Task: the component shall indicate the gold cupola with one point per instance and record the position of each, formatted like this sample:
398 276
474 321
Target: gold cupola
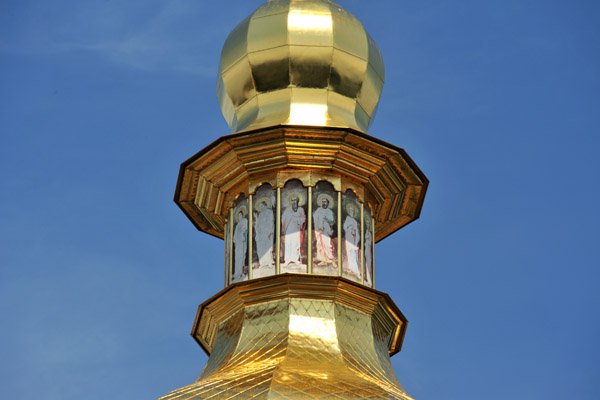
300 194
300 62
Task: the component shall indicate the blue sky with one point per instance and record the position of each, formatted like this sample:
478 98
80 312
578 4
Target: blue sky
100 273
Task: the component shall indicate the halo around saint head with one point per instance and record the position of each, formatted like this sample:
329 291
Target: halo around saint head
265 200
327 197
298 195
352 206
241 209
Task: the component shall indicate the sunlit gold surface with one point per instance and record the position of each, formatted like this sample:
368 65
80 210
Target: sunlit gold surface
297 337
300 62
380 174
299 83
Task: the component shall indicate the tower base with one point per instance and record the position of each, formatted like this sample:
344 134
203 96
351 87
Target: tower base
297 337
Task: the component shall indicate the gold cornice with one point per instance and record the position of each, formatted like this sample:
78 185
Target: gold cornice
381 174
297 336
235 297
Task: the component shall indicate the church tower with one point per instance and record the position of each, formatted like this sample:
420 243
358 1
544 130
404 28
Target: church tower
300 194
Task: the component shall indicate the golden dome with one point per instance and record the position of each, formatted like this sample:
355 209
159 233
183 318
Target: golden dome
300 62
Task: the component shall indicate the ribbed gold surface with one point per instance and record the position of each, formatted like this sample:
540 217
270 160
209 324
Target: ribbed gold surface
297 337
382 175
300 62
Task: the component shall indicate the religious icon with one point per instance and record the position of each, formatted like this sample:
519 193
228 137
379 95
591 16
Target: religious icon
264 232
240 240
369 235
325 229
351 231
293 228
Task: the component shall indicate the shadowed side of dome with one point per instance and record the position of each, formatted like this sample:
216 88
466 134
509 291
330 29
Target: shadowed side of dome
300 62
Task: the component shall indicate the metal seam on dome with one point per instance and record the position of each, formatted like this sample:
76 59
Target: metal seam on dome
222 71
245 102
268 15
296 45
230 35
361 107
351 54
377 73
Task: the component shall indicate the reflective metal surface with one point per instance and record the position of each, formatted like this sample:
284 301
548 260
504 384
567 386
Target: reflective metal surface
300 62
383 176
298 204
297 337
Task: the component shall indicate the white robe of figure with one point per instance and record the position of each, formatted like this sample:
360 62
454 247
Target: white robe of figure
368 256
240 241
324 219
292 224
264 237
352 236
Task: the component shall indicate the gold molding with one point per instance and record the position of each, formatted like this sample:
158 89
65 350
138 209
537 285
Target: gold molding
236 296
297 336
381 174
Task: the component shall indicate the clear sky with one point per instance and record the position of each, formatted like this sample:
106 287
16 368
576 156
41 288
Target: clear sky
498 102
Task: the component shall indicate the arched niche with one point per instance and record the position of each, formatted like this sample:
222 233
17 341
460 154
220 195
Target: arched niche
297 228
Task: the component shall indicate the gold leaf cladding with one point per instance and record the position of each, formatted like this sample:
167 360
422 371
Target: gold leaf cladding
238 163
297 336
299 63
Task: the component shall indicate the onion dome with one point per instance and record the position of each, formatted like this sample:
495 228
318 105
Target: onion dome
300 62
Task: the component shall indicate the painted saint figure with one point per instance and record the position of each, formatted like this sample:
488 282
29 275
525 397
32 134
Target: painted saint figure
368 252
293 221
352 238
324 219
240 242
264 233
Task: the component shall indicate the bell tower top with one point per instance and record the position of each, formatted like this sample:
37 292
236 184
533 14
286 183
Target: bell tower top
300 194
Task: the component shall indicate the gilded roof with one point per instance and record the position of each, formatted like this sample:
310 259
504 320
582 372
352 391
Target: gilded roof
297 337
